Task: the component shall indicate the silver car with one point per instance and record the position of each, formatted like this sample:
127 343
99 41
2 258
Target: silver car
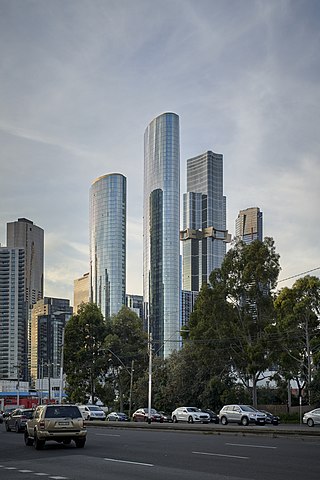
190 415
241 414
312 418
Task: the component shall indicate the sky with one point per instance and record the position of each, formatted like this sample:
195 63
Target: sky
80 80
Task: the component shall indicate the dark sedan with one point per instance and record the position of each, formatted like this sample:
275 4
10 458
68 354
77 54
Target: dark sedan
271 419
141 415
17 419
117 417
214 417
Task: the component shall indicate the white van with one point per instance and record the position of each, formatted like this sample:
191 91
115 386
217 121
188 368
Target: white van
85 412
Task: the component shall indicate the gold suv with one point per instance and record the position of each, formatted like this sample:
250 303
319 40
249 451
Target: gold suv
60 423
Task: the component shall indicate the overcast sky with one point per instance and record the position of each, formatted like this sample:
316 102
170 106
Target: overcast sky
81 79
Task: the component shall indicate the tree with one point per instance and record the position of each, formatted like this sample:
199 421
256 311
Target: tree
125 346
233 314
298 327
84 336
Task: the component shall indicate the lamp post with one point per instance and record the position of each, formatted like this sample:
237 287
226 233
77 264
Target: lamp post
61 369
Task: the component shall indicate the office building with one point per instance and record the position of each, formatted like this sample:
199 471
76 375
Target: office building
204 233
48 320
81 289
249 225
24 234
108 205
161 218
135 303
13 314
188 299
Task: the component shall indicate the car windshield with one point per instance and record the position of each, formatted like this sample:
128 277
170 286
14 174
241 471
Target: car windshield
95 409
63 411
193 409
247 408
27 413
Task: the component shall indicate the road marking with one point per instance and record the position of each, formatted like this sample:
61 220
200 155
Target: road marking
57 477
107 435
10 468
244 445
127 461
41 474
25 471
220 455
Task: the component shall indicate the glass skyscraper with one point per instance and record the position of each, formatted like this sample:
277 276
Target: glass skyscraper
161 218
204 232
108 205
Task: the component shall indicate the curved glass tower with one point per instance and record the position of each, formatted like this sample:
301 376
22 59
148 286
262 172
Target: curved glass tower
108 243
161 218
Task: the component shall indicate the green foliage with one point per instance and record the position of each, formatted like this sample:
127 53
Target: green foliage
84 335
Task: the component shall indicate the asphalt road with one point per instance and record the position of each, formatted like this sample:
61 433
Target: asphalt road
148 453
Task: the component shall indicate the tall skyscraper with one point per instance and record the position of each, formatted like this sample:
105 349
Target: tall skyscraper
249 225
204 232
24 234
13 315
161 207
108 205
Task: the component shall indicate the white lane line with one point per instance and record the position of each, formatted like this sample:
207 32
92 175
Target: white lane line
10 468
57 477
25 471
127 461
253 446
107 435
41 474
220 455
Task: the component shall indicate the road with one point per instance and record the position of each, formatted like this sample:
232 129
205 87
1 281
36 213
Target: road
133 453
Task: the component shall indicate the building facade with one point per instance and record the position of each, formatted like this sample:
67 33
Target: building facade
108 204
249 225
48 320
204 233
161 218
135 303
24 234
13 314
188 299
81 289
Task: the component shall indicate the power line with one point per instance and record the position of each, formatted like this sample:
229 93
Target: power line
299 274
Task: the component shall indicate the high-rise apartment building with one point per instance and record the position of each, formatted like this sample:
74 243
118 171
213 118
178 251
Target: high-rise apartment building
161 218
108 203
81 289
204 233
249 225
48 320
24 234
13 314
135 303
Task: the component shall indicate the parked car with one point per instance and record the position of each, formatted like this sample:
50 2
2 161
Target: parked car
1 416
270 418
17 419
166 416
96 413
85 412
117 417
190 415
312 418
141 415
60 423
241 414
214 417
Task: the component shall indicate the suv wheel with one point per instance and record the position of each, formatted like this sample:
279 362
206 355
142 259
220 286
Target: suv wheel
80 442
244 421
174 419
16 427
38 444
27 440
224 420
8 429
190 419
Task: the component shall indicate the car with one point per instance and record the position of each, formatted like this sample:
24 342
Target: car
96 413
142 415
241 414
166 416
117 417
190 415
17 419
312 418
1 416
60 423
271 419
85 412
214 417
